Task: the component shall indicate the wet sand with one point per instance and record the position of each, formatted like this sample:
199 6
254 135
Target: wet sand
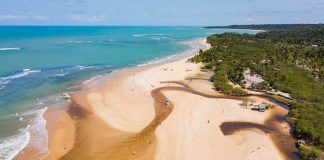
284 141
61 132
97 140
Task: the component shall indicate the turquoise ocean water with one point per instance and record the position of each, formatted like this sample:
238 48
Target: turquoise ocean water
38 64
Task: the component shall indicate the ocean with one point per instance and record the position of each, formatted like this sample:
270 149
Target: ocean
40 63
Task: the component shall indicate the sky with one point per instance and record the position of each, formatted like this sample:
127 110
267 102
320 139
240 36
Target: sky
159 12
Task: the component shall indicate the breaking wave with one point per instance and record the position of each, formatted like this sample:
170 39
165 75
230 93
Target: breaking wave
23 73
10 49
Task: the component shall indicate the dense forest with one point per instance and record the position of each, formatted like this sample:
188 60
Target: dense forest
290 58
285 27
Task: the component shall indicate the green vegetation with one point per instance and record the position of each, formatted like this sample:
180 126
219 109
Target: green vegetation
261 86
221 82
280 99
308 153
290 58
268 106
271 27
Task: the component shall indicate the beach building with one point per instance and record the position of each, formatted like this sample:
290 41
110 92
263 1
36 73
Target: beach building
261 107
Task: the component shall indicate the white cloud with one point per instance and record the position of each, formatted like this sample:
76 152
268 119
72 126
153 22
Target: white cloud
18 17
248 19
87 18
4 17
38 17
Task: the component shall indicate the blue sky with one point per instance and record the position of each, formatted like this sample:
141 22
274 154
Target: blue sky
159 12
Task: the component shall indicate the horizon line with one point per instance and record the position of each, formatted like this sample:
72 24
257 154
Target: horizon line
85 25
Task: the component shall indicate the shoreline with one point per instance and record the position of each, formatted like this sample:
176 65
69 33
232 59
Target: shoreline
114 108
91 84
98 83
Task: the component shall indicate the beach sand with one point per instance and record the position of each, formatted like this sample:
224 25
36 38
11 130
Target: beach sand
125 118
61 132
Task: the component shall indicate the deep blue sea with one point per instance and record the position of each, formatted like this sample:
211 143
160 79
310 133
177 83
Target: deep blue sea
38 64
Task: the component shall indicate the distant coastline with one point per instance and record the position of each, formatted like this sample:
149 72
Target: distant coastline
264 26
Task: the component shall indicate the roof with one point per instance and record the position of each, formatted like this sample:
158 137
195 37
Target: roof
262 106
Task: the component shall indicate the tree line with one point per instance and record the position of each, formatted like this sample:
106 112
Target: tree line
289 58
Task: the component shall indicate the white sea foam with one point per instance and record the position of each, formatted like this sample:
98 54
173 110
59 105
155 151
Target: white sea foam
84 67
80 41
10 49
20 118
38 133
61 74
153 34
10 146
23 73
34 136
137 35
158 60
89 80
194 47
40 103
